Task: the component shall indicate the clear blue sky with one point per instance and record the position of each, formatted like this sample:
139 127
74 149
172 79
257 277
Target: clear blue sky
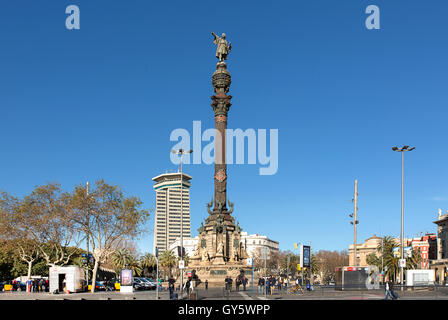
100 102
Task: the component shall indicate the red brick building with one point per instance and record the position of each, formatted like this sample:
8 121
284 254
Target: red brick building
428 248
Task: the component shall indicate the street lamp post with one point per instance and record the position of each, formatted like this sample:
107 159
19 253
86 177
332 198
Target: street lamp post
87 240
181 152
156 253
402 150
355 223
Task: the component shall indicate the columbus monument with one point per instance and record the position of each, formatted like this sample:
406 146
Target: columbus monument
220 252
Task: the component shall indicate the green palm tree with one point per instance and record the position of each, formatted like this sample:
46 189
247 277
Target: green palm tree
120 258
147 261
389 261
315 265
167 260
134 264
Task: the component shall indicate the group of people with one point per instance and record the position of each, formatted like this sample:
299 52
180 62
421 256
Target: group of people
187 288
241 281
36 285
269 284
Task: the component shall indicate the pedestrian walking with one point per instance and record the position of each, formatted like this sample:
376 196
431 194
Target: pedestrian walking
42 285
268 285
171 283
388 292
159 283
244 283
29 285
187 286
273 282
391 289
35 286
260 285
206 284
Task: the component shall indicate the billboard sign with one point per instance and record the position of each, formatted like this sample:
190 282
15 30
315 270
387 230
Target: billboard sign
306 252
126 277
396 252
407 252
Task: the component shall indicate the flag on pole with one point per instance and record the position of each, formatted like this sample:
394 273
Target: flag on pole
295 246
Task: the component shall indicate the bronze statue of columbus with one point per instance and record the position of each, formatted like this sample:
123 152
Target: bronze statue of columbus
223 49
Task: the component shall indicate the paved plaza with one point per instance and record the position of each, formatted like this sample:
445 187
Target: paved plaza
220 294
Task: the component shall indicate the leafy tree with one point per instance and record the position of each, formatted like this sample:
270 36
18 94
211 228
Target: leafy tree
7 256
47 220
294 260
107 218
328 261
14 227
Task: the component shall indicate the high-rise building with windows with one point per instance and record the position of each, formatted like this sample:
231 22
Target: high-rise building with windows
167 225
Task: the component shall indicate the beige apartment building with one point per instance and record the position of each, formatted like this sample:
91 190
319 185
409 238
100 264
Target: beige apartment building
167 224
440 264
363 250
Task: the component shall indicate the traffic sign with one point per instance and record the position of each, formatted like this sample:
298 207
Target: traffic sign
181 264
402 263
265 253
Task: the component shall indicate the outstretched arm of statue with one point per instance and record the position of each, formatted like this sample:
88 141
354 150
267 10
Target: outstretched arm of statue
214 35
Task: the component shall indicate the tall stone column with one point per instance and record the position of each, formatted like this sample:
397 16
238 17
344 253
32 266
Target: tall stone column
221 81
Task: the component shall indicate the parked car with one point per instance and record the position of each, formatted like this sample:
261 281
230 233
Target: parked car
138 284
8 286
98 286
149 284
115 283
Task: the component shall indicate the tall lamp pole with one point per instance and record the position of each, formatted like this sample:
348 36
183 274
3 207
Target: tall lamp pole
181 152
355 223
156 253
87 238
402 150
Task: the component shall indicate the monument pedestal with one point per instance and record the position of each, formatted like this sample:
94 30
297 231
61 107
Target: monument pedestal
216 274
